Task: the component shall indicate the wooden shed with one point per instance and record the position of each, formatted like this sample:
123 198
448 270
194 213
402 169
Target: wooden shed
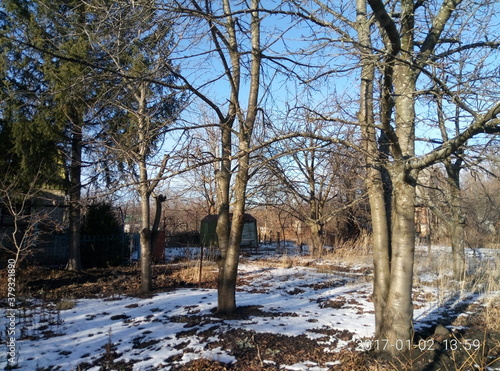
208 234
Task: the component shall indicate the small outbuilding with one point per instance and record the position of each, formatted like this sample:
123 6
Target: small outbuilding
208 234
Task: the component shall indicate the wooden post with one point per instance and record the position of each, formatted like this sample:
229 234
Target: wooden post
201 266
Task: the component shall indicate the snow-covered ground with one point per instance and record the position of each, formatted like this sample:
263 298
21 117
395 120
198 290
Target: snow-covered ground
156 332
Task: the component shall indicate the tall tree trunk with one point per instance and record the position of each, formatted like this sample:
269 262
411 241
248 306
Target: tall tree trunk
457 222
381 238
378 194
228 270
390 186
229 232
226 296
75 186
397 320
145 234
395 325
316 238
226 288
145 189
228 264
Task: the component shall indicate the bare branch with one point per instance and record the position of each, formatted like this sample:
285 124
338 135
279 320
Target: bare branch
487 123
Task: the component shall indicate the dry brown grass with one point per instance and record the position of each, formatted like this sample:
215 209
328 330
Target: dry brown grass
353 252
190 273
483 280
483 275
488 282
65 304
490 316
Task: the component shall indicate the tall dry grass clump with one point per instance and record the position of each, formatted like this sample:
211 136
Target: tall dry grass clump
353 252
481 282
190 273
487 283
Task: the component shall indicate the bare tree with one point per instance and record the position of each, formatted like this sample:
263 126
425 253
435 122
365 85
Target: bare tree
201 153
313 181
393 162
229 230
467 83
481 204
29 217
137 109
230 40
399 45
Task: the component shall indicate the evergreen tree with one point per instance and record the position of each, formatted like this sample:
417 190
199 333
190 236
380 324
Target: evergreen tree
29 132
103 240
47 106
103 74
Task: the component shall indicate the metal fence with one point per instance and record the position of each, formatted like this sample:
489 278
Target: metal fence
96 250
104 250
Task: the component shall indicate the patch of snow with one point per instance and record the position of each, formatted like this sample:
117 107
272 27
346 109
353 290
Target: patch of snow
154 331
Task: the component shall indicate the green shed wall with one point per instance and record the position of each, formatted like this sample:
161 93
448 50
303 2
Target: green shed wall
208 234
